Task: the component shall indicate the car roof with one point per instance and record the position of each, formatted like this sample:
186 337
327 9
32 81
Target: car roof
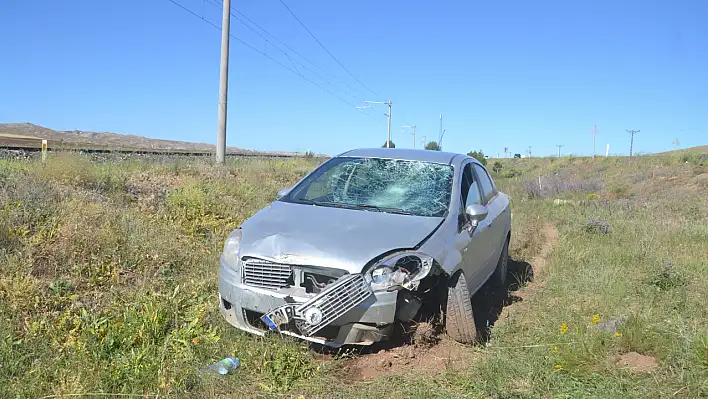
408 154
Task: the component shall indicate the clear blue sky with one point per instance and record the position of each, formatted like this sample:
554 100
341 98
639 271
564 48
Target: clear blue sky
511 73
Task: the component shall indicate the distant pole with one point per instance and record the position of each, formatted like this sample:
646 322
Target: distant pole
223 82
631 143
425 138
388 143
440 130
44 151
607 151
529 151
559 149
414 127
594 132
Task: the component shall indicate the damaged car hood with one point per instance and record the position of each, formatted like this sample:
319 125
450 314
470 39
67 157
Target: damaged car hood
339 238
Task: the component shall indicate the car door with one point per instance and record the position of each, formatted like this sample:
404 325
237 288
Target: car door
476 255
493 222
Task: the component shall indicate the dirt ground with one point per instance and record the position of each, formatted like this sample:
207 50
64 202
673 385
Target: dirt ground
433 354
637 362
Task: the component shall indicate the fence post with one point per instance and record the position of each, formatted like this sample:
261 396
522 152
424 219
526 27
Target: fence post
44 150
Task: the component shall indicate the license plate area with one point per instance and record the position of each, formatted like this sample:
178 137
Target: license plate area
280 316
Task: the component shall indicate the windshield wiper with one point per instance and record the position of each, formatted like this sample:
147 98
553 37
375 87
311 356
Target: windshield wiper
397 211
328 203
366 207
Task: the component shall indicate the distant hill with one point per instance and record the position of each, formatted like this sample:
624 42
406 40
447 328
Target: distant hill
703 149
27 134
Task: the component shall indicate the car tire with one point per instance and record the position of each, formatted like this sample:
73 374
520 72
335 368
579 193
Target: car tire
459 318
501 273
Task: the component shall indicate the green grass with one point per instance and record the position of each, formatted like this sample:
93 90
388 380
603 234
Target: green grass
108 283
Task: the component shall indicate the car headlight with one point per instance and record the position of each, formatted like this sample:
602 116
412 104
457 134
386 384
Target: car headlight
230 253
404 269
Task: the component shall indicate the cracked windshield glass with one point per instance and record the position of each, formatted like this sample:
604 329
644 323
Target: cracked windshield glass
388 185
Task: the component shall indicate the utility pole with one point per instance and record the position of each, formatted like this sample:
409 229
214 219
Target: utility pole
559 149
425 142
223 82
529 151
414 128
440 132
631 143
594 132
389 103
388 143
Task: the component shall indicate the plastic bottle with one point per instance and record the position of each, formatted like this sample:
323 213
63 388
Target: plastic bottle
223 366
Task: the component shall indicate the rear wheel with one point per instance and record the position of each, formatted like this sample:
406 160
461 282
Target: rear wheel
501 273
459 318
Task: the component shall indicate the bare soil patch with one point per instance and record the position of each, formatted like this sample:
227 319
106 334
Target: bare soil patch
637 362
430 360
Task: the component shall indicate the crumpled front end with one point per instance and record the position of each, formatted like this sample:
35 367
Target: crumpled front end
327 306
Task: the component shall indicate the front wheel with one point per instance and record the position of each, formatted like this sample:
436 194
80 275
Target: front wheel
459 318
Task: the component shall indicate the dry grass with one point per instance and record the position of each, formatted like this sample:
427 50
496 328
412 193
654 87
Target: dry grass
108 283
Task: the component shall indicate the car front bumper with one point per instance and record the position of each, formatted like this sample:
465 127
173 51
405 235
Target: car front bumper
241 305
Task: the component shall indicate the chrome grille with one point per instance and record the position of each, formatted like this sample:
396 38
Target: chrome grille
336 300
266 274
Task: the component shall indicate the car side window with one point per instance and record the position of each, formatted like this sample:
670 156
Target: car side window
473 195
469 190
488 190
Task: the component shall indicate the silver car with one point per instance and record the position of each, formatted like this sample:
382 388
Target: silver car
365 242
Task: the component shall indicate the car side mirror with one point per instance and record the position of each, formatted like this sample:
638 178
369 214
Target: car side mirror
283 192
476 213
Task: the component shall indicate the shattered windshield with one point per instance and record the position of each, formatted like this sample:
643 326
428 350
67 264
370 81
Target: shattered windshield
377 184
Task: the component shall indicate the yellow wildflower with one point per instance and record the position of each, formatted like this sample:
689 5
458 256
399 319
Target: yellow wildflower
596 318
563 328
555 348
618 334
557 367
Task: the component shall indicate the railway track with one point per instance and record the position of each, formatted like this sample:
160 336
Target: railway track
35 145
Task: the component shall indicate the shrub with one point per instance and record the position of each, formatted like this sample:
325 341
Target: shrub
560 184
667 277
478 155
510 173
597 226
618 189
497 167
433 146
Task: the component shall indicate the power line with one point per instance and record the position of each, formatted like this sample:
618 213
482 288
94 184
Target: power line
325 48
276 61
217 5
296 52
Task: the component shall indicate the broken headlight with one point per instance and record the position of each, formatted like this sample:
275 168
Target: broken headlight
399 270
230 253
